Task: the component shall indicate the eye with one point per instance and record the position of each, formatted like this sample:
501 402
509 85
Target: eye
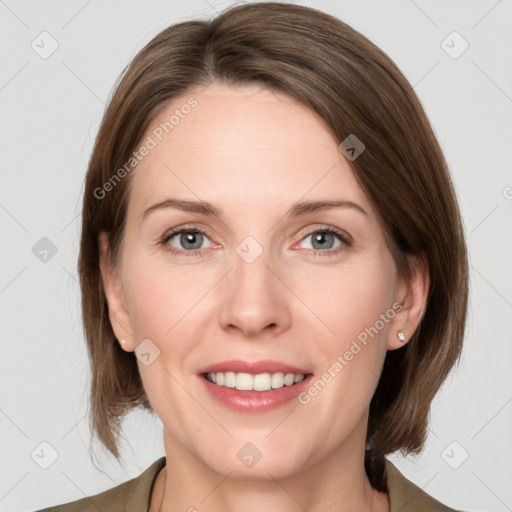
323 241
190 239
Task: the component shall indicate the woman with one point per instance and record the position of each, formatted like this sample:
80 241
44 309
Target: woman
302 335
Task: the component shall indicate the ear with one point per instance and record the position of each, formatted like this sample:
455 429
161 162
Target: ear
117 312
412 295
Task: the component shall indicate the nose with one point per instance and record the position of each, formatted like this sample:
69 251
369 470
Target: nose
254 300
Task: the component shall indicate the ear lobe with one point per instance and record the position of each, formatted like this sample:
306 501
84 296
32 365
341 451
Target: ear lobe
118 314
413 295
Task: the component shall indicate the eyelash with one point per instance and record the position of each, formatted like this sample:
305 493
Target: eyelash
311 252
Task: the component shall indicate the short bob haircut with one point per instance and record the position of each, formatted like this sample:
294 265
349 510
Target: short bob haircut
356 89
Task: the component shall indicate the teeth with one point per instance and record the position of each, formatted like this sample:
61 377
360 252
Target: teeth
248 382
230 380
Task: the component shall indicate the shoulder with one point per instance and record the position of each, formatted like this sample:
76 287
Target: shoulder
135 493
405 496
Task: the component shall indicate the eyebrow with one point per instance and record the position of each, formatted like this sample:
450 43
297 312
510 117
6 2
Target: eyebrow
207 208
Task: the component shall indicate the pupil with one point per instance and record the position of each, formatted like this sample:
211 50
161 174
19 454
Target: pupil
320 237
189 238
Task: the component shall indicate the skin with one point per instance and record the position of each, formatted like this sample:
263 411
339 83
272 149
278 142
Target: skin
254 153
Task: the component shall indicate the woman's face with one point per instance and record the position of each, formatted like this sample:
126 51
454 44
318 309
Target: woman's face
260 288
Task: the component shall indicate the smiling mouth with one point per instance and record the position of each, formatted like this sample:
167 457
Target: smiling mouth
258 382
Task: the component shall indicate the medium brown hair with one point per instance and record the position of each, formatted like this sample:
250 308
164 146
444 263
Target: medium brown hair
356 89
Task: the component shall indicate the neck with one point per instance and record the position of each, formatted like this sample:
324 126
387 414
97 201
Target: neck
338 482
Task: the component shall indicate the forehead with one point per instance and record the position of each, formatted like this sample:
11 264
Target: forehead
244 145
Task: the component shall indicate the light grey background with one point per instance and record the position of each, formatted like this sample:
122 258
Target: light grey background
50 112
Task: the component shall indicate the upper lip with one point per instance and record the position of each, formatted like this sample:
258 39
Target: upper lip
253 367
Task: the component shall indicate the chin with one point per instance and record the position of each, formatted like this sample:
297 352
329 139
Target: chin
260 459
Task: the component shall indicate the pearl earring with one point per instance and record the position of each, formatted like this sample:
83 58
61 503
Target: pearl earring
401 336
123 341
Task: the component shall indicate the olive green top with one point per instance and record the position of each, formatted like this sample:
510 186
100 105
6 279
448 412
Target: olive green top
135 494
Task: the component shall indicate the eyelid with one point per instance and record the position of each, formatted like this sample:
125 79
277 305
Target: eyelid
347 238
188 227
171 233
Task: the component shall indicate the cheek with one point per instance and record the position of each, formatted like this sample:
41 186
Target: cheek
159 297
355 308
349 301
163 305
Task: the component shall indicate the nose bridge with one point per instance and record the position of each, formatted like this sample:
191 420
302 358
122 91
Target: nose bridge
251 276
254 300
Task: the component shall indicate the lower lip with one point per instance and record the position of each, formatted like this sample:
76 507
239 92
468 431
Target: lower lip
255 401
